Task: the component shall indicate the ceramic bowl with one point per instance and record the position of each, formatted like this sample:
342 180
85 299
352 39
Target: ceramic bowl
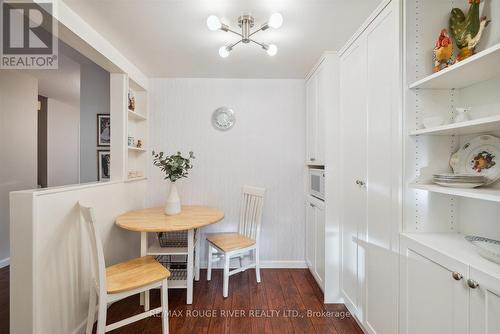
432 122
487 248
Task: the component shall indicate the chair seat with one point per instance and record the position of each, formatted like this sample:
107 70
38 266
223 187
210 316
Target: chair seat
134 274
228 242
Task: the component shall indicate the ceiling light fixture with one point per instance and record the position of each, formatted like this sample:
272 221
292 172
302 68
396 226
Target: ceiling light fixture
246 23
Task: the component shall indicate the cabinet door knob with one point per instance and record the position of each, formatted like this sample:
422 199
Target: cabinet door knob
457 276
472 284
313 159
360 183
312 205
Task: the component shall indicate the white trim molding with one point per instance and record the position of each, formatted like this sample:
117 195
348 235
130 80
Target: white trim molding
287 264
4 262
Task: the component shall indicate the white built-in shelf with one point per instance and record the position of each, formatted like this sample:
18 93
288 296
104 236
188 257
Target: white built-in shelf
486 124
132 148
177 284
481 67
156 249
136 116
483 193
455 246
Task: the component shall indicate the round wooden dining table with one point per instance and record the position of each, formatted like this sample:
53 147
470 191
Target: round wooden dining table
153 220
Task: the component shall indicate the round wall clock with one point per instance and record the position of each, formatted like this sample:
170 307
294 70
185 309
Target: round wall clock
223 118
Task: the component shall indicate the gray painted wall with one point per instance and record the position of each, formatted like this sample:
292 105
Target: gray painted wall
18 144
94 99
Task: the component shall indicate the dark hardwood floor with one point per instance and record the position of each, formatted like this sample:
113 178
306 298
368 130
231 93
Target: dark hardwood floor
287 301
4 300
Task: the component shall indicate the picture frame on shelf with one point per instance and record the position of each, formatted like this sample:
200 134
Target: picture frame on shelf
103 130
103 165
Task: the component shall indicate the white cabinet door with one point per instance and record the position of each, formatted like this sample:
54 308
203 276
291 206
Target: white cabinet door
310 233
383 173
353 169
432 301
319 266
325 90
311 119
484 317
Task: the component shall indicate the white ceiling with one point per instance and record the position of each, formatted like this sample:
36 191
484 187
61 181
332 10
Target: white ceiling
169 38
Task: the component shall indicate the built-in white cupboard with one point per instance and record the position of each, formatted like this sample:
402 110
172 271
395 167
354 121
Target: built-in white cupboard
371 170
435 297
353 148
318 89
484 314
315 236
312 120
322 225
446 286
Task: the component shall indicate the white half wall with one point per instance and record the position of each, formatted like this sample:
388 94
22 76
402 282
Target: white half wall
63 143
50 269
265 148
18 144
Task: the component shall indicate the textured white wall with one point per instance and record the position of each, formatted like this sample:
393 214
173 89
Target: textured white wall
265 148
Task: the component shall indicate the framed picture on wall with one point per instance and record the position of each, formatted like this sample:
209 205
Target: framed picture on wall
103 130
103 165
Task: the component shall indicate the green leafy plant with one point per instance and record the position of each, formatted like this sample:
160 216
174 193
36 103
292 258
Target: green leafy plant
174 166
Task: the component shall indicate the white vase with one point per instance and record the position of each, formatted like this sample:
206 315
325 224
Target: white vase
173 205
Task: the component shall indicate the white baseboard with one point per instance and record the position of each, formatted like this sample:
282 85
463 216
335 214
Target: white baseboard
284 264
4 262
264 264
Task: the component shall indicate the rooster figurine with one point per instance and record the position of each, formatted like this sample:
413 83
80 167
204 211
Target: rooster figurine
443 52
467 30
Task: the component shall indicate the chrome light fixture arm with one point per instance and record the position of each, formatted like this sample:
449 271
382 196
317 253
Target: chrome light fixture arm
234 32
246 23
234 44
263 45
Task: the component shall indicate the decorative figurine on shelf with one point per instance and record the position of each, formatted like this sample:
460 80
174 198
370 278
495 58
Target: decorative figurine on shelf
443 51
467 30
139 143
131 101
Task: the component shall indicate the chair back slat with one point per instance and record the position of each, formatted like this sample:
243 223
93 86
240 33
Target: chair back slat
96 250
252 203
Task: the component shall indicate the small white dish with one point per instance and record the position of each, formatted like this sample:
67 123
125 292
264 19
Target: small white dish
462 115
487 248
459 185
432 122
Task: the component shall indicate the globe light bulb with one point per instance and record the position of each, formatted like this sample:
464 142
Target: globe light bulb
213 23
272 50
276 20
224 51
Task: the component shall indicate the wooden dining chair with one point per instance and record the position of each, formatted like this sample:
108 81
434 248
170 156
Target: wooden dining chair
232 245
120 281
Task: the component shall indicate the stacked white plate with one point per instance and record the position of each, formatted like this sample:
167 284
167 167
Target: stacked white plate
459 180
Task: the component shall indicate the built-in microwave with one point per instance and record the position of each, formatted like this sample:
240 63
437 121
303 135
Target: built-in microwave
317 183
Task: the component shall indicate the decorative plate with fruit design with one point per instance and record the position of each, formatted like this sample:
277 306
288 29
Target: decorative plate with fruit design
478 157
